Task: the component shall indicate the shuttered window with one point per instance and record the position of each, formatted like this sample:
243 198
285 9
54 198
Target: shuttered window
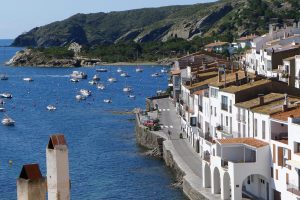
280 156
274 153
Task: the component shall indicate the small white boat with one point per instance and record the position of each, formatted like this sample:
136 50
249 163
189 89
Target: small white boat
80 97
6 95
139 69
74 80
112 80
51 108
7 121
78 75
156 75
107 101
101 70
131 96
2 109
96 77
3 77
124 74
119 70
164 70
127 89
93 82
85 93
101 86
28 79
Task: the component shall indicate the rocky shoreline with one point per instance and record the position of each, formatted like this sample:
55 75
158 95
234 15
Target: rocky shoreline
28 57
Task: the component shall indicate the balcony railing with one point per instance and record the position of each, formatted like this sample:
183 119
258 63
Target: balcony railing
293 189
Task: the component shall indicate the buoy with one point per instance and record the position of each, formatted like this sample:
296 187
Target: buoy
10 162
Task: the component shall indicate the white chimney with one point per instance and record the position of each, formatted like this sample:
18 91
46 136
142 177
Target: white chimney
31 185
58 180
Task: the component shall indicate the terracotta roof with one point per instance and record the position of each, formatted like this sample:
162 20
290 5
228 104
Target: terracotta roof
31 172
283 116
247 141
215 44
56 140
175 72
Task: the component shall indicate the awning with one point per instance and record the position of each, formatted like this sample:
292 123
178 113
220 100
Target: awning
294 163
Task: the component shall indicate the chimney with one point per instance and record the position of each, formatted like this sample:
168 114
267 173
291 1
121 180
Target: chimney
58 179
236 78
219 76
261 99
31 185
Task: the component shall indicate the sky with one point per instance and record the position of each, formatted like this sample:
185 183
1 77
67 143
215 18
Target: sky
18 16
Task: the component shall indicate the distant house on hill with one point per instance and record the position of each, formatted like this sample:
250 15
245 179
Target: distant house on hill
245 41
217 47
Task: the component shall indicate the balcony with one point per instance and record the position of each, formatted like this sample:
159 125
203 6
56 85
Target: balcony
293 189
241 118
224 130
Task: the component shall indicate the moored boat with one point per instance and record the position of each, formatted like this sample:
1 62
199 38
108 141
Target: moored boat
124 74
96 77
139 69
119 70
6 95
3 77
164 70
101 70
85 93
80 97
101 86
7 121
28 79
51 108
74 80
112 80
107 101
156 75
127 89
92 82
78 75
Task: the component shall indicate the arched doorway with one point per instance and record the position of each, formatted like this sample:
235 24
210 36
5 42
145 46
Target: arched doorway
207 176
217 182
226 187
256 186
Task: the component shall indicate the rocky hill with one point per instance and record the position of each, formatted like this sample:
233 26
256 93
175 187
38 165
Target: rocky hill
229 18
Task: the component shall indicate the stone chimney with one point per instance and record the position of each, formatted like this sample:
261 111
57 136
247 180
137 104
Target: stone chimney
285 105
58 180
236 78
219 76
31 185
261 99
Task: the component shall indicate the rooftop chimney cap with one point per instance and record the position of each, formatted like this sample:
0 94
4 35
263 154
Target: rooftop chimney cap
30 172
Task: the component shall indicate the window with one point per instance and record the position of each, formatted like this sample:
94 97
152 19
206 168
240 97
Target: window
226 120
214 92
244 130
230 106
263 127
272 173
224 103
211 110
215 111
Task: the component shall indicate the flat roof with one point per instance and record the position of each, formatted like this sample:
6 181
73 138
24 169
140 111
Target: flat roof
255 102
234 89
253 142
283 116
231 77
275 106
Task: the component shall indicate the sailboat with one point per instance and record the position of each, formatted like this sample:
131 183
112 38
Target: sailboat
127 88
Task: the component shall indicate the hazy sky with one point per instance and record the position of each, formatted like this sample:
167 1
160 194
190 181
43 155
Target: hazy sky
17 16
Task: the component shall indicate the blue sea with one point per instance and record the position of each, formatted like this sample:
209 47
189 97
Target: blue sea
105 161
